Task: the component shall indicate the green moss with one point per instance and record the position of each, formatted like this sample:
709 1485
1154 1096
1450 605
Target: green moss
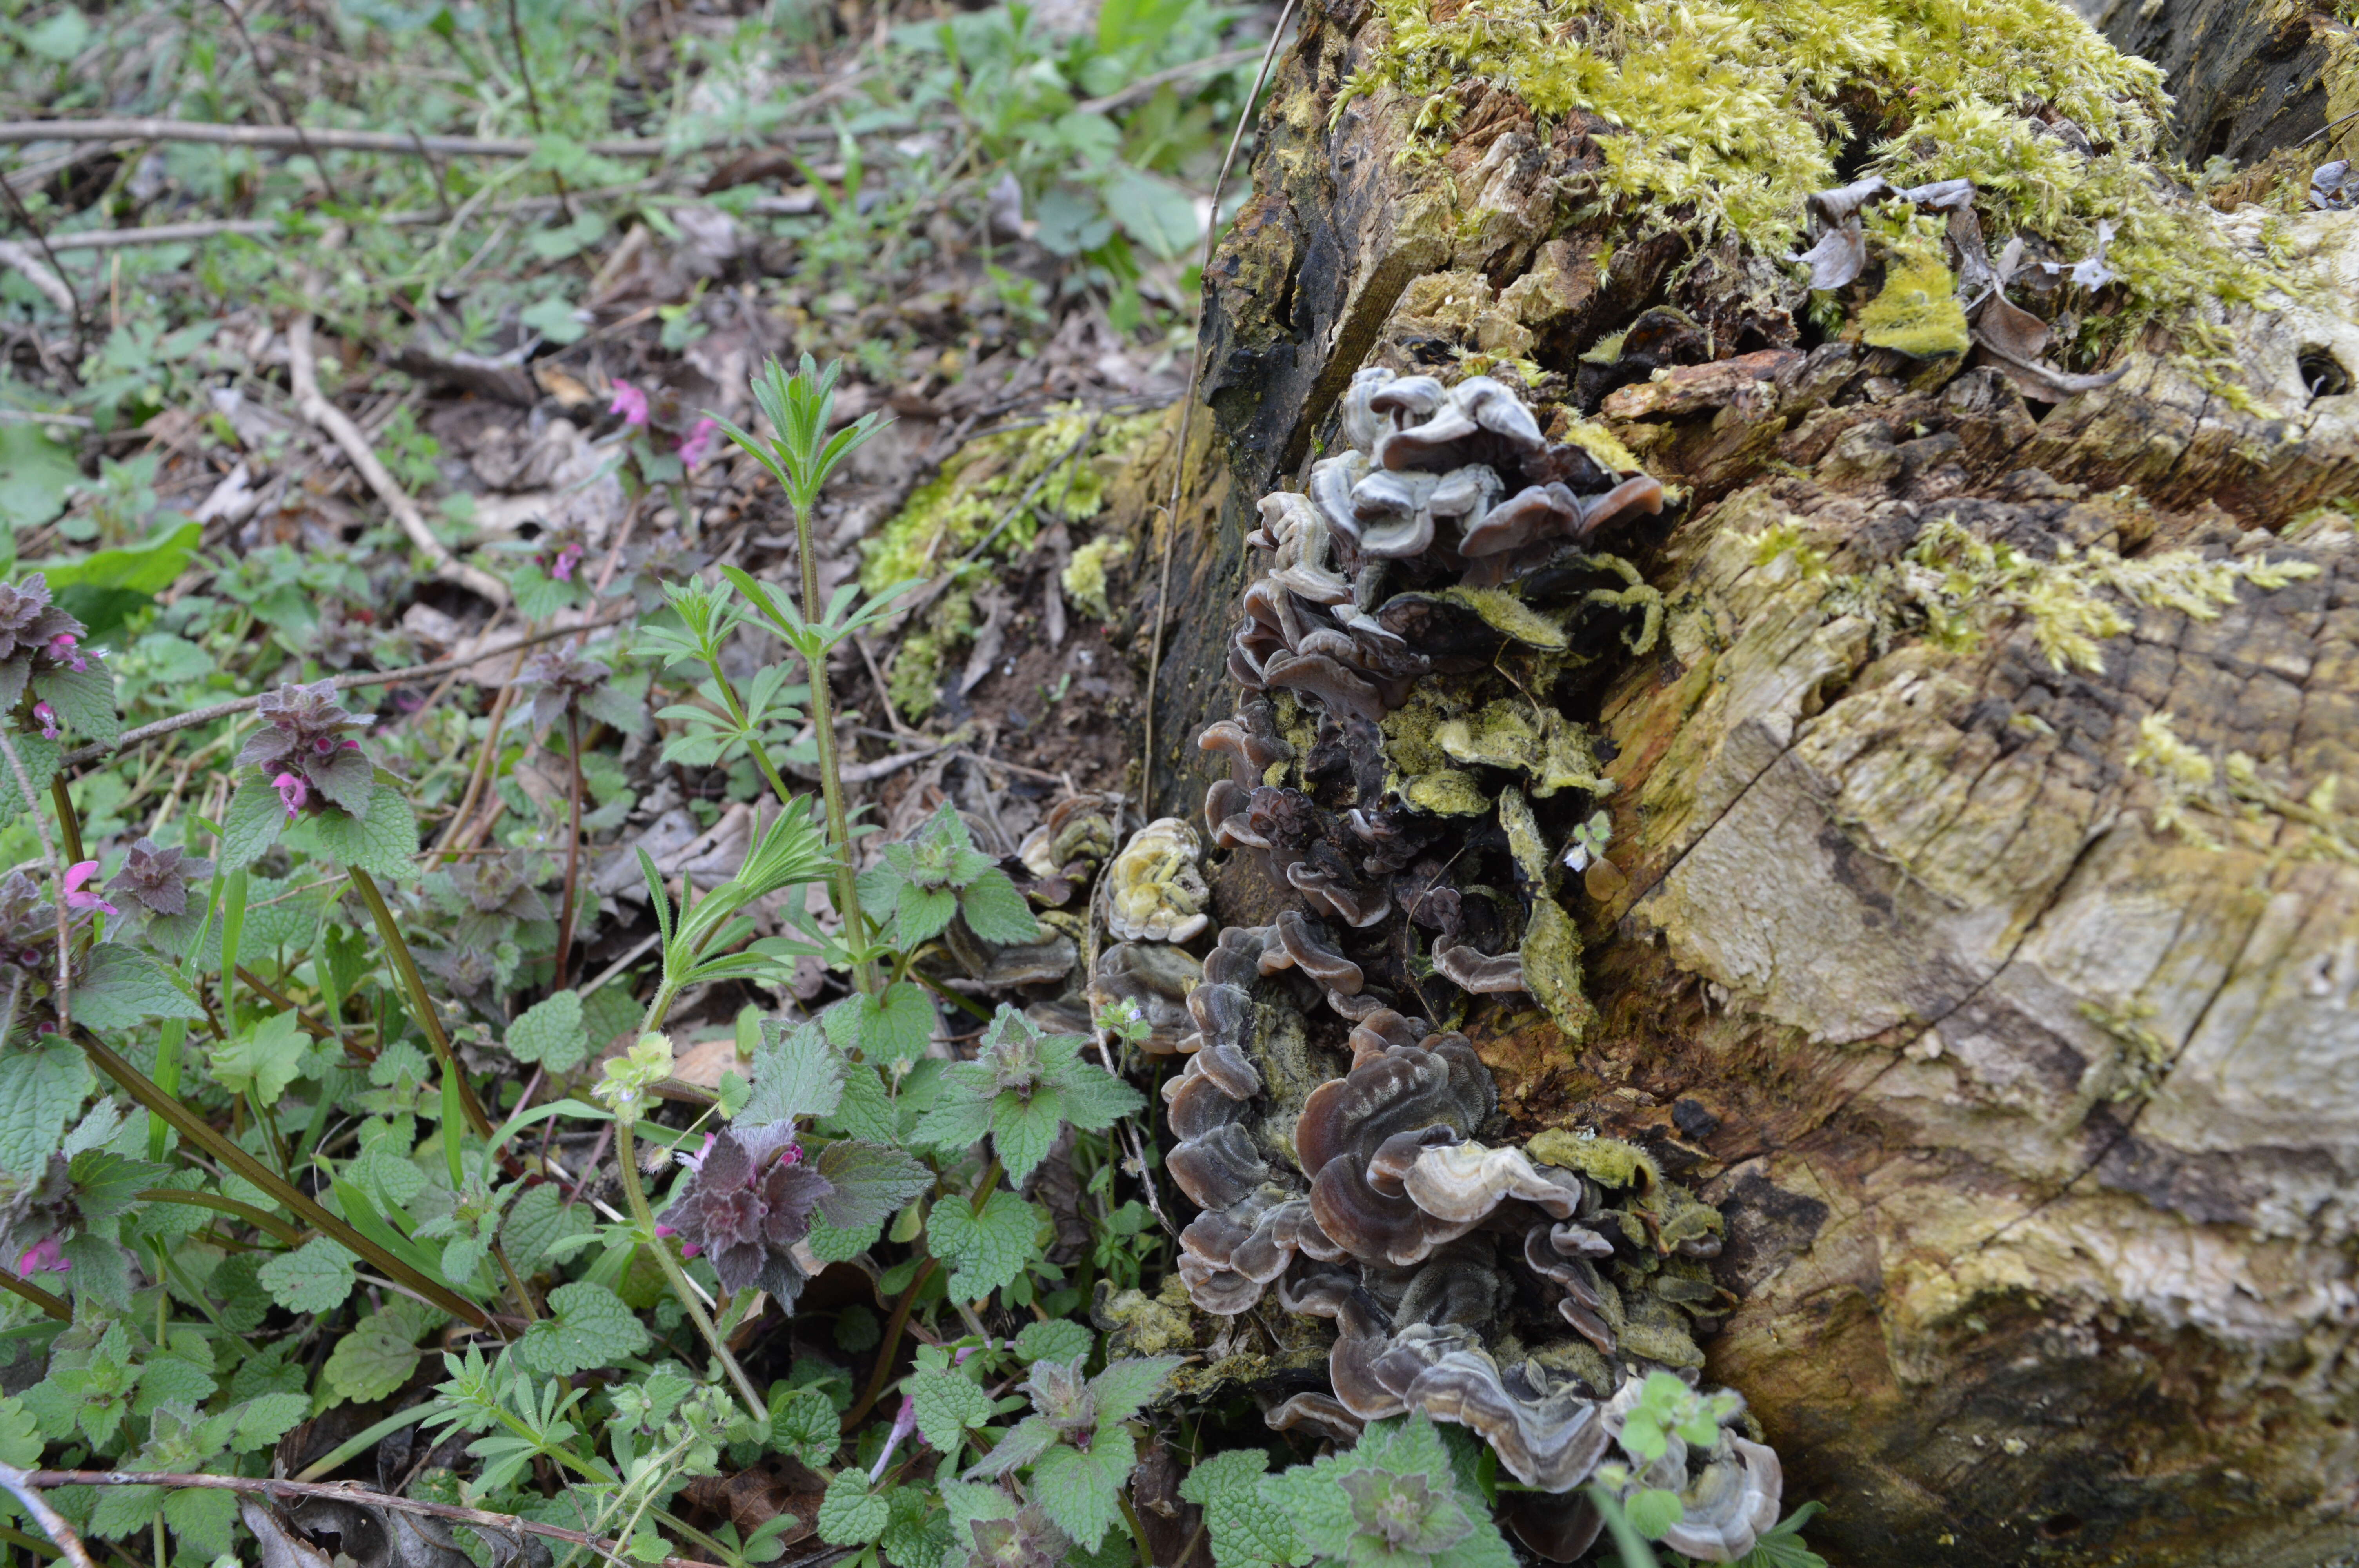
915 681
1917 311
1637 594
1731 111
1085 575
987 480
1608 1161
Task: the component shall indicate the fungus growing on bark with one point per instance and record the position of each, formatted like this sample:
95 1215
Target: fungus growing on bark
1304 944
1481 973
1155 977
1478 1283
1338 690
1322 1414
1157 893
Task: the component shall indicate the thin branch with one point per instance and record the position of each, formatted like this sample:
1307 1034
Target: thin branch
28 1493
1187 405
195 716
26 1486
58 273
262 75
303 376
287 138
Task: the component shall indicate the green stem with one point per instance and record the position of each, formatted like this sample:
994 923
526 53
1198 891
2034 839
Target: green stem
353 1447
831 779
886 1347
198 1130
420 1007
35 1294
1137 1530
244 1211
626 1154
572 847
69 822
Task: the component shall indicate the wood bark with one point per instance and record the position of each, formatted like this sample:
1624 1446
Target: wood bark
2248 77
2035 1124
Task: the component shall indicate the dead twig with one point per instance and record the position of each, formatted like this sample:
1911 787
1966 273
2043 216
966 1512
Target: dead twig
27 1486
302 372
288 138
28 1493
230 709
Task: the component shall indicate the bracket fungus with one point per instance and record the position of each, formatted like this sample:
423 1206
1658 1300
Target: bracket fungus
1401 770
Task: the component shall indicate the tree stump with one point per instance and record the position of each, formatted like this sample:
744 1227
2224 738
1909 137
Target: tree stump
2000 989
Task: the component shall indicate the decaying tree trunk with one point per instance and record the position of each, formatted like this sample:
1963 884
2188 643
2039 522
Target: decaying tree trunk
2008 1005
2249 77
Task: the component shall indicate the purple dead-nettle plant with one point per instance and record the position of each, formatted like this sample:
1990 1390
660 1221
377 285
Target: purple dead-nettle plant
566 677
39 639
307 748
748 1203
156 879
28 926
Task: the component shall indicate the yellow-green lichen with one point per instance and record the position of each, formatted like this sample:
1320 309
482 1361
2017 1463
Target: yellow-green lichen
1730 113
1150 1325
1503 612
1525 840
1953 585
1541 744
1603 445
2145 1055
1608 1161
1444 792
1063 465
1638 595
1085 575
1551 955
1917 311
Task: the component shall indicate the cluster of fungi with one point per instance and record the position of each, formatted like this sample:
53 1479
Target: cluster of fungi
1337 1151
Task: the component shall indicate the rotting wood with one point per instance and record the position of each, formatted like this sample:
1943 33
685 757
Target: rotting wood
2033 1120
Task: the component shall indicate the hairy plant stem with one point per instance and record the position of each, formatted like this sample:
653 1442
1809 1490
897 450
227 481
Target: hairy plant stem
421 1007
68 821
572 847
627 1155
24 1289
831 772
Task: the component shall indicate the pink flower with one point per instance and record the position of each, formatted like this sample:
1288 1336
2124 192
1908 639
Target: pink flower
697 445
62 648
292 793
43 1257
76 875
629 402
567 559
49 718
